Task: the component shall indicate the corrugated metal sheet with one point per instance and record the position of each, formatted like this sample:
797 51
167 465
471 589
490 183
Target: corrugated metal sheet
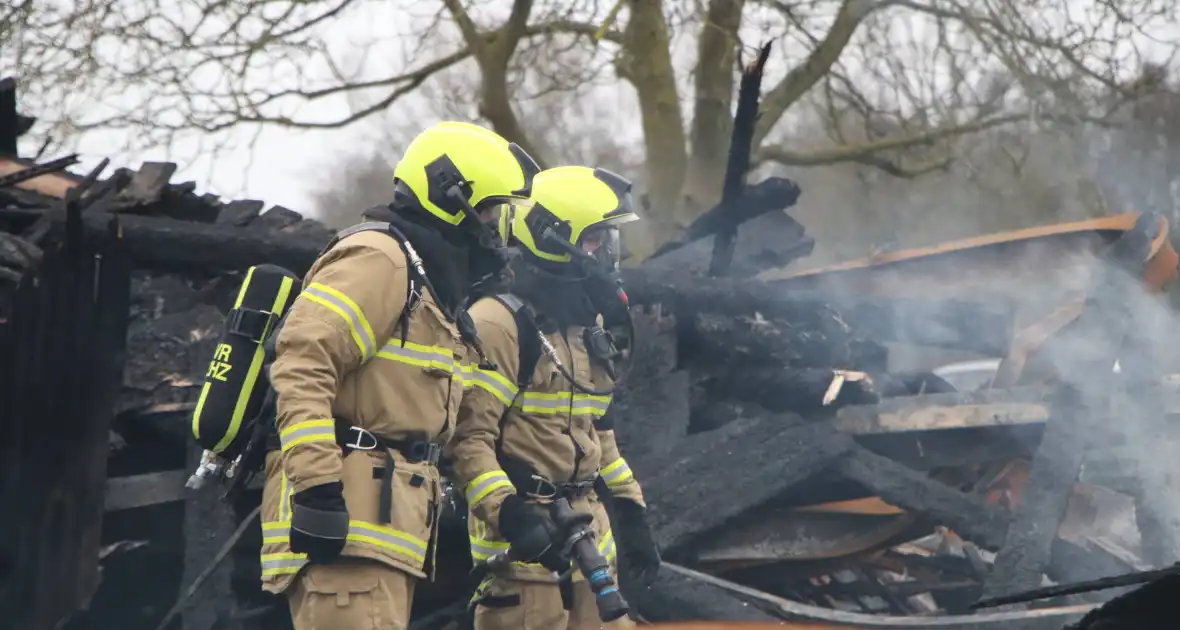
61 353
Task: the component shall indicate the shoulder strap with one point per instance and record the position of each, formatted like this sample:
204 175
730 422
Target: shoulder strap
528 344
413 266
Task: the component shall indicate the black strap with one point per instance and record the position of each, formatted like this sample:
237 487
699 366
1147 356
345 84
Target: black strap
528 345
416 281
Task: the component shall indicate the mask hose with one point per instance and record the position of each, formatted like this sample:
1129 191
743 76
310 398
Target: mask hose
551 352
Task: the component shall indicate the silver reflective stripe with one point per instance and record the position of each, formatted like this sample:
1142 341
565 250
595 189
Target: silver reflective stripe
494 386
617 473
425 357
486 482
482 550
310 431
356 321
535 402
389 538
281 565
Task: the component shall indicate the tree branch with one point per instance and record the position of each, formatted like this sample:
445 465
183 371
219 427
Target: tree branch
493 52
717 48
866 153
803 77
646 62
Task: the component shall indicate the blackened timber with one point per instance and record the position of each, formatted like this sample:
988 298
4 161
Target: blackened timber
1026 552
800 391
170 245
955 410
709 478
906 488
676 597
968 325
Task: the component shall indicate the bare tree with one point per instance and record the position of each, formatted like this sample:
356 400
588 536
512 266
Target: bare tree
917 75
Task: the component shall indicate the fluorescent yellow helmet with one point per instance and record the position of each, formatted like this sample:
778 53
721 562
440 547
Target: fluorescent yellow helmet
481 166
573 212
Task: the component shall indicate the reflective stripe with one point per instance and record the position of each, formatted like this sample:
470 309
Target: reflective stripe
536 402
340 304
617 473
397 541
483 549
494 383
282 563
485 484
306 432
606 546
563 403
590 404
417 354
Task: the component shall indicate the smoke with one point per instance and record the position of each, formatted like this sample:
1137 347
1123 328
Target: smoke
1020 178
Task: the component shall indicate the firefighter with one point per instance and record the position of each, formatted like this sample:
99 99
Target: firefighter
538 426
368 373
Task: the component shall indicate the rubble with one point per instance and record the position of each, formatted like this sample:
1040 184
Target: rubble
790 472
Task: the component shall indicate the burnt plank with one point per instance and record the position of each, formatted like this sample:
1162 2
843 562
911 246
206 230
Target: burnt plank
710 478
677 597
1026 552
275 218
148 185
915 491
240 213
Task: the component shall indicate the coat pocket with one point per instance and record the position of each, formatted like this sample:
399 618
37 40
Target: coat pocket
411 491
341 595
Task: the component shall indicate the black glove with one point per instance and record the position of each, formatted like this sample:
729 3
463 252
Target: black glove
633 535
532 533
319 522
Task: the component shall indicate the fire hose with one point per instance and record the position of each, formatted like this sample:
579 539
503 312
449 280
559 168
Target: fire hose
580 546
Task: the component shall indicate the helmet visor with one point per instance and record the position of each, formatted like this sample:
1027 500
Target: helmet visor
603 244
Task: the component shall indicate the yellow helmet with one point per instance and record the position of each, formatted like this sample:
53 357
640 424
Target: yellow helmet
457 168
573 213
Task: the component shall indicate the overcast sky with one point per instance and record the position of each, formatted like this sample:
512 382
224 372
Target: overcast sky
284 166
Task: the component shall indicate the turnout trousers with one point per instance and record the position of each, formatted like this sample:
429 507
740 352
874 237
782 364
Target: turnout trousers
351 594
519 605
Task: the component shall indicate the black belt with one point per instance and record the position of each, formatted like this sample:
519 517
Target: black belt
529 484
354 438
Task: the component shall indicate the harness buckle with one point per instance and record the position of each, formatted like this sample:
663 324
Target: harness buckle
542 488
428 452
359 443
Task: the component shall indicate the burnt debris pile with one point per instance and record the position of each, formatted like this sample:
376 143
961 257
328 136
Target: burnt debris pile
796 466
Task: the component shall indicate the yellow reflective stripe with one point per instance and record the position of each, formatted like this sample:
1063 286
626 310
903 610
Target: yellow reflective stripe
388 538
495 384
617 473
282 563
348 310
417 354
563 402
485 484
483 549
591 404
284 498
542 403
306 432
606 546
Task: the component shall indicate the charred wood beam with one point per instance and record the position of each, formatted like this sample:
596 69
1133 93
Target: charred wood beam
710 478
979 327
803 392
740 149
170 245
955 410
676 597
914 491
136 491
